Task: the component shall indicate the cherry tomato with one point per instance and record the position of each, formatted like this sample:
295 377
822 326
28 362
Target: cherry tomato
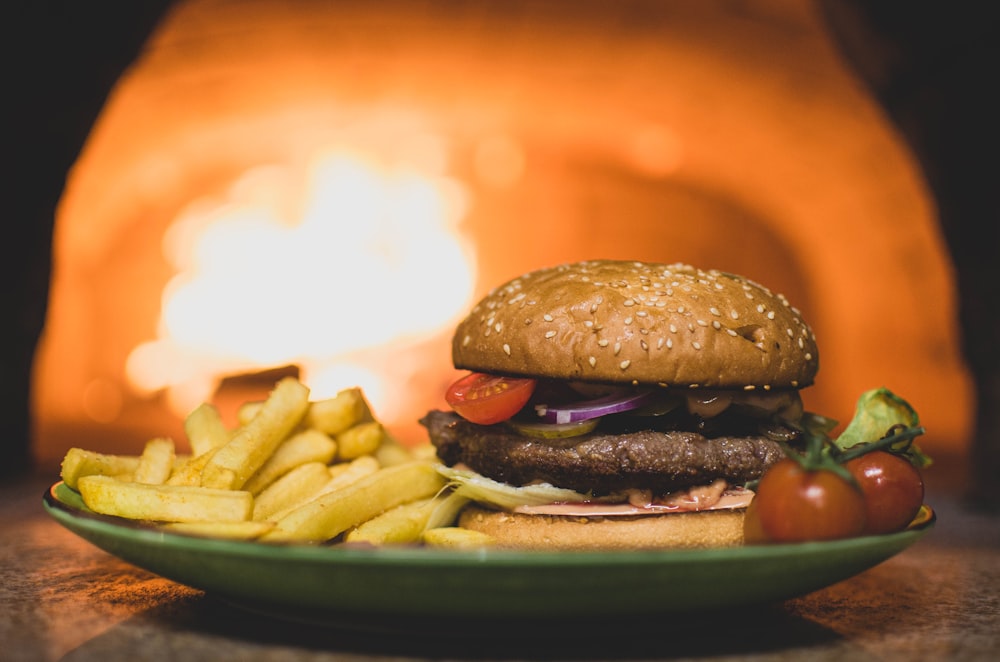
893 489
488 399
794 504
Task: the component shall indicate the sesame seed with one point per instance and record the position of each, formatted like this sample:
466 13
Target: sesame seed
644 345
809 356
603 342
702 323
670 343
618 348
628 320
714 311
628 302
770 314
506 349
593 361
624 364
550 334
716 324
735 315
760 308
696 344
547 317
673 328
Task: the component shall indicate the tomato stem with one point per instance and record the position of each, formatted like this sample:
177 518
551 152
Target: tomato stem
890 443
821 453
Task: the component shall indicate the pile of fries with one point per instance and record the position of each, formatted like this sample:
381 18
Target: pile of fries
292 471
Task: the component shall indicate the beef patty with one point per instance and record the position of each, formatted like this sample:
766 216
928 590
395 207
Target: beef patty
602 462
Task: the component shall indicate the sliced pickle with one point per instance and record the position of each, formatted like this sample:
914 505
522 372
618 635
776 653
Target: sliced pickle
553 430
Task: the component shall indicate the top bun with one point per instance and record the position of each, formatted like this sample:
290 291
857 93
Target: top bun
639 323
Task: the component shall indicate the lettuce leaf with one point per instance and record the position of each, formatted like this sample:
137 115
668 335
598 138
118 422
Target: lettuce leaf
477 487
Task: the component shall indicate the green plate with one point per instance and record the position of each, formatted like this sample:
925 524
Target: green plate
362 586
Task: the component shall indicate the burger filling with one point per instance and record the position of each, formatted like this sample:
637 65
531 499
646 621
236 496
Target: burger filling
603 450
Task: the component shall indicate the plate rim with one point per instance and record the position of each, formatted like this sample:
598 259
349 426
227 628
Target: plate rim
348 586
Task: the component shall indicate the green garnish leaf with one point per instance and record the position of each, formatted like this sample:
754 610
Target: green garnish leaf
881 413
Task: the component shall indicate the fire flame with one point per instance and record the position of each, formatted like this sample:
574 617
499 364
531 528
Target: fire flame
314 271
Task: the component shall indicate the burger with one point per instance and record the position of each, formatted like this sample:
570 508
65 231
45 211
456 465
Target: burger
621 405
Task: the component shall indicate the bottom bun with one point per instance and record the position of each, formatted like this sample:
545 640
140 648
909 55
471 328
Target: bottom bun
691 530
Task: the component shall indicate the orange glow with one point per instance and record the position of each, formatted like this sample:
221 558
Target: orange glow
259 285
330 185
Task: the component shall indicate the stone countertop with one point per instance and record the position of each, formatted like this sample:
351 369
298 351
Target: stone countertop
63 599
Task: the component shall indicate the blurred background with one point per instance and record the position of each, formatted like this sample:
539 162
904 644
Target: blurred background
217 193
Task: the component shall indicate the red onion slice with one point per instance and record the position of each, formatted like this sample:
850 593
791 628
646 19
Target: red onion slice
583 410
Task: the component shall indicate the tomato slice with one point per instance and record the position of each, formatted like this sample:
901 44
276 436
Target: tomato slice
487 399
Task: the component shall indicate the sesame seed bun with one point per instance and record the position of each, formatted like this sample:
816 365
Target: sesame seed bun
693 530
639 323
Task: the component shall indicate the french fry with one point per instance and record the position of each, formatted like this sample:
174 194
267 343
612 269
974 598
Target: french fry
361 439
189 473
78 463
294 488
343 474
246 411
204 429
338 476
407 523
244 530
424 451
233 464
156 462
403 524
454 537
164 503
339 413
391 452
306 446
331 514
271 479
